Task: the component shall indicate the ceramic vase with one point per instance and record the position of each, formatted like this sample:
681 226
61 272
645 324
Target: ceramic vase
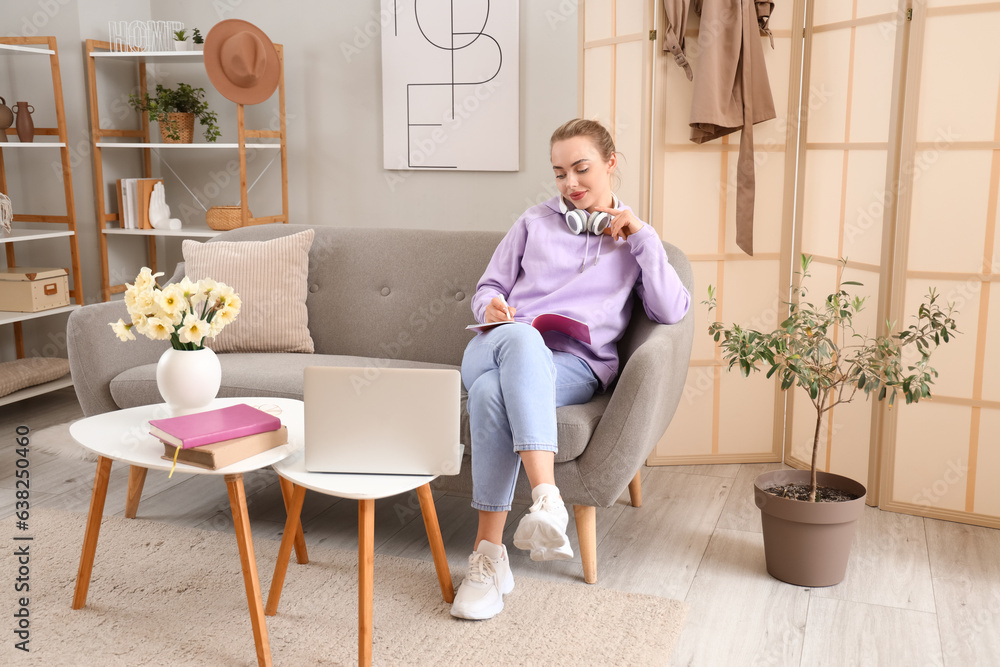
188 380
6 119
181 46
25 126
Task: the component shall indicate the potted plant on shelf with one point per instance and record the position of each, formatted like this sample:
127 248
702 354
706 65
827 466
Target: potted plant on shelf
198 40
808 517
175 109
180 40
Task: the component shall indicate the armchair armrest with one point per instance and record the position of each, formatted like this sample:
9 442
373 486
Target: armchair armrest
645 398
96 357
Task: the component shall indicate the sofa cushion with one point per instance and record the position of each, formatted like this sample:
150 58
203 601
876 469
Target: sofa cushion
271 278
280 375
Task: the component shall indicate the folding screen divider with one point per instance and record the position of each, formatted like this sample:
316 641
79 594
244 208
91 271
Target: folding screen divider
845 191
615 84
722 417
941 459
886 151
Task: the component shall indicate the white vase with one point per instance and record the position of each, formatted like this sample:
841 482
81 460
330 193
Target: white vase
181 46
188 380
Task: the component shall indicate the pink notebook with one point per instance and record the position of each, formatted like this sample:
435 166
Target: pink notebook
204 428
547 322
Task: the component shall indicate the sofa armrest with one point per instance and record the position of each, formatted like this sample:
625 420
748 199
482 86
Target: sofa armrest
96 356
643 403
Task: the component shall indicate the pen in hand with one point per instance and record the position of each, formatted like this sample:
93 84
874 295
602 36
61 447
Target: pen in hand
506 309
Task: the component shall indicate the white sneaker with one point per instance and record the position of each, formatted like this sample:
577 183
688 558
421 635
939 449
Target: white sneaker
480 595
543 530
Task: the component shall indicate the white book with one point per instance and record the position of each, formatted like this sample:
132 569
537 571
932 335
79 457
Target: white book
125 205
133 206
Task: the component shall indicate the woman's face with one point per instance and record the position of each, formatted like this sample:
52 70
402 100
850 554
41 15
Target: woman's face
582 175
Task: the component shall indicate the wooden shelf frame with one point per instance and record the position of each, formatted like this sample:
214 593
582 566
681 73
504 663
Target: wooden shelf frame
97 50
30 46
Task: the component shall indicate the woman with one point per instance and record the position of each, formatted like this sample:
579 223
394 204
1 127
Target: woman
580 254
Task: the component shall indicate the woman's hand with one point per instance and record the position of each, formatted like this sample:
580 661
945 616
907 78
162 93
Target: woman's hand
623 223
497 311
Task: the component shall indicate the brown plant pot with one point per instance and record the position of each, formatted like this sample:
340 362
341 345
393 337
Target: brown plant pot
807 544
184 124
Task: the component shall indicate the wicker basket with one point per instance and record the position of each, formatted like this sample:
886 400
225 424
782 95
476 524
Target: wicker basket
184 124
224 218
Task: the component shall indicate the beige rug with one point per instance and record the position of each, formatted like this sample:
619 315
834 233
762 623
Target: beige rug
167 595
57 441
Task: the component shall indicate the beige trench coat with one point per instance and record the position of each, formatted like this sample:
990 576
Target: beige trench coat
731 89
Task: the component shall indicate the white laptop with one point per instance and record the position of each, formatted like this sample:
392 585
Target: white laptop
402 421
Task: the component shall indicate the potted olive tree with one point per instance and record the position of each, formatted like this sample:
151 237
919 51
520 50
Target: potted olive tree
176 109
808 517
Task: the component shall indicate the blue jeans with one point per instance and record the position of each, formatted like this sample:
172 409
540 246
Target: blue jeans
515 384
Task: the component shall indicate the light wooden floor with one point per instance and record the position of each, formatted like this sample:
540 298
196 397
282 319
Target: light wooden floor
917 592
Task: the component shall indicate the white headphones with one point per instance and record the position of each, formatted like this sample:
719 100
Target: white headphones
579 221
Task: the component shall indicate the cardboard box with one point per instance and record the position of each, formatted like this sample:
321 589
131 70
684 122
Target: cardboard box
31 289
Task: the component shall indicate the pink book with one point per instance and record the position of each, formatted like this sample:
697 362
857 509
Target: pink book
205 428
547 322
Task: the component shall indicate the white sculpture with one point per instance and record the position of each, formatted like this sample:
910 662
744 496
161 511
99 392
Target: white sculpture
159 212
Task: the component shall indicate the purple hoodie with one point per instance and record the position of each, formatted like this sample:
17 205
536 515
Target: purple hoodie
537 269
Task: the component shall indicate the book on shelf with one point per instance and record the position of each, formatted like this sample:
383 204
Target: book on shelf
121 203
205 428
227 452
133 202
545 322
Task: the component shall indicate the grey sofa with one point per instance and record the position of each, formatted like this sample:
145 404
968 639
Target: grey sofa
400 298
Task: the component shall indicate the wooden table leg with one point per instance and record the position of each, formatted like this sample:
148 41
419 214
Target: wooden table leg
437 544
366 578
97 497
301 555
285 550
241 520
136 478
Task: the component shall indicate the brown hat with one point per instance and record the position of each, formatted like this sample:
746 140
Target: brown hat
241 61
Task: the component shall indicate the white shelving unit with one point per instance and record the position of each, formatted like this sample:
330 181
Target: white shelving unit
16 235
189 56
11 46
17 145
37 390
45 139
186 232
116 140
111 144
10 317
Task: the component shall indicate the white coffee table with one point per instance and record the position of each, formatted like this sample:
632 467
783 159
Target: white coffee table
366 489
123 435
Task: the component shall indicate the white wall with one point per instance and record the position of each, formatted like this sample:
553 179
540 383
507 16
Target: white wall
333 106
